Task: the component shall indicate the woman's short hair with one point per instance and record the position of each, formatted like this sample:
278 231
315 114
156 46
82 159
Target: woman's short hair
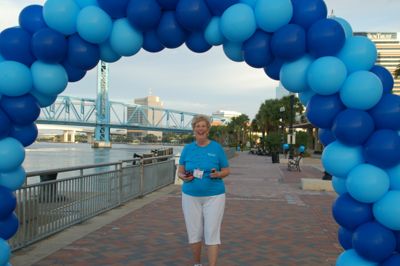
198 118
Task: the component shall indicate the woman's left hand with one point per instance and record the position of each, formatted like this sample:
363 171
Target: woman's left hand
215 173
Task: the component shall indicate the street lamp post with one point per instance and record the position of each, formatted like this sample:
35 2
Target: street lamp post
291 140
281 126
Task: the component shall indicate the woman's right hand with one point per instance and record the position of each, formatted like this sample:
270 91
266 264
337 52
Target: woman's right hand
186 177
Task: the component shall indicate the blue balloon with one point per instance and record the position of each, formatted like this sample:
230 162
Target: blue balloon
25 134
350 213
325 136
13 179
273 14
339 159
21 110
325 37
9 226
193 15
386 113
373 241
125 40
8 202
31 18
294 74
256 50
151 43
49 79
351 258
394 175
348 31
144 15
397 234
5 252
74 73
238 23
274 68
43 99
353 127
116 8
289 42
385 76
305 96
15 45
82 54
85 3
197 43
322 110
251 3
168 4
306 12
93 24
382 148
339 185
5 124
301 149
169 32
326 75
107 54
361 90
1 59
15 78
218 7
393 260
345 238
387 210
213 33
49 46
233 51
358 53
61 15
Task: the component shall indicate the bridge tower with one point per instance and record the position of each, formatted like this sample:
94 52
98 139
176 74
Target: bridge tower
102 131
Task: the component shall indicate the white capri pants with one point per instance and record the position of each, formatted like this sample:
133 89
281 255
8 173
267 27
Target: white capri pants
203 214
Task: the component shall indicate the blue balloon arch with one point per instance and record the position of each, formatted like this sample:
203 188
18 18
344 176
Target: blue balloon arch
347 96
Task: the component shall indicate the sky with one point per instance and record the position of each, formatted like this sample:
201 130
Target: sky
207 82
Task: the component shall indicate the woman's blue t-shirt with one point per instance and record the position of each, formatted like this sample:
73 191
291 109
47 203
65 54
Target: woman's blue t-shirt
203 158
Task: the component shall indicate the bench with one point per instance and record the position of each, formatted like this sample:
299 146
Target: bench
294 164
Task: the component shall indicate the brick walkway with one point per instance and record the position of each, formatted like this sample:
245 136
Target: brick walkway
269 221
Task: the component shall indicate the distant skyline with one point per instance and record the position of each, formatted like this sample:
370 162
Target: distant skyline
205 83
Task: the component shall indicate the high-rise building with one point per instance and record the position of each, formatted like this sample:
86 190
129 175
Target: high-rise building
226 114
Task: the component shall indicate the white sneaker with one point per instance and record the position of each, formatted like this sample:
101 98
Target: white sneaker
199 264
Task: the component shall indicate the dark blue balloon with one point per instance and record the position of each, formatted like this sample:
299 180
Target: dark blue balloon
74 73
397 235
257 51
5 125
8 202
25 134
43 99
382 148
289 42
31 18
193 15
373 241
82 54
322 110
197 43
306 12
169 32
386 113
394 260
325 136
21 110
144 15
385 76
15 45
151 43
350 213
115 8
217 7
168 4
49 45
9 226
325 37
353 127
345 238
274 68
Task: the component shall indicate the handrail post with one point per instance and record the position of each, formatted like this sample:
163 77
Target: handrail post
141 178
118 169
81 196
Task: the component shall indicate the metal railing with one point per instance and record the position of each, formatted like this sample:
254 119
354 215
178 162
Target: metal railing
45 208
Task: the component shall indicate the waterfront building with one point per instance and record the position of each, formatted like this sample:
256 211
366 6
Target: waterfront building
226 114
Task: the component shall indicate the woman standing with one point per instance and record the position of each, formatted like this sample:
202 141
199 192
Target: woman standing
202 166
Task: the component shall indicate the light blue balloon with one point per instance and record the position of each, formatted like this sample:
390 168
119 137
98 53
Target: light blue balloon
61 15
293 74
273 14
213 33
358 53
125 40
85 3
339 159
5 252
339 185
361 90
326 75
49 79
251 3
43 100
94 25
367 183
351 258
233 51
387 210
305 96
394 175
15 78
348 31
12 154
238 23
13 179
107 54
